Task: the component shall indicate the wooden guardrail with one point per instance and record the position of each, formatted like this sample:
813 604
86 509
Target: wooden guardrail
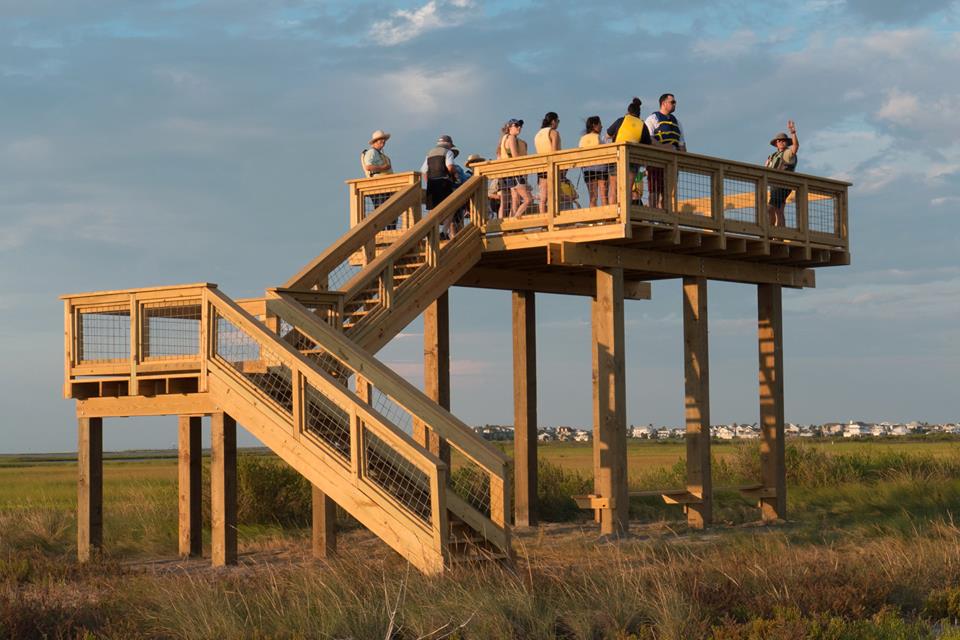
687 190
329 396
367 194
356 293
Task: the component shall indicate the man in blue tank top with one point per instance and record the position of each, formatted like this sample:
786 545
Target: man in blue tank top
665 129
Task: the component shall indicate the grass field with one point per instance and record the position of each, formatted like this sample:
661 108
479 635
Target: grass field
870 551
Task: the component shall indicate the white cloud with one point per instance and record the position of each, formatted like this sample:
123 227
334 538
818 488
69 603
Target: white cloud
945 201
405 25
425 92
739 43
934 300
898 106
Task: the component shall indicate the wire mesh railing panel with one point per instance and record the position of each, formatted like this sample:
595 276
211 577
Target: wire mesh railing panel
655 177
397 476
255 362
170 330
822 212
517 195
471 483
392 411
694 193
373 201
740 200
104 334
384 404
591 185
341 275
782 198
326 420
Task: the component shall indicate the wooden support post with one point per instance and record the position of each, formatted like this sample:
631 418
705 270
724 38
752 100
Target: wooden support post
773 504
436 371
89 488
189 468
697 386
609 402
223 489
525 408
324 525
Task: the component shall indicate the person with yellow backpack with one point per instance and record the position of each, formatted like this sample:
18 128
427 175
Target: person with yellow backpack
629 128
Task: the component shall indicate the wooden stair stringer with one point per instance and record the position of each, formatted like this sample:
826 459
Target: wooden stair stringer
403 533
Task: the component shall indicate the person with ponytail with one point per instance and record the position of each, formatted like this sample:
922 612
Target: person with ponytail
596 176
629 128
547 140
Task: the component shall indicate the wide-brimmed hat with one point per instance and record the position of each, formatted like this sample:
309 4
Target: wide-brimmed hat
445 141
474 158
515 121
379 134
779 136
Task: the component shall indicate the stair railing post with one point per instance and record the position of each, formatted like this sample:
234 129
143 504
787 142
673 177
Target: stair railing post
364 392
204 346
386 286
134 389
438 511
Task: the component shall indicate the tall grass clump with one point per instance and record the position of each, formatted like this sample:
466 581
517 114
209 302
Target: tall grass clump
555 488
812 466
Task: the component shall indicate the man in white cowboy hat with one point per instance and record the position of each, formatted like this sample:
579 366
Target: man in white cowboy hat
440 171
785 159
375 162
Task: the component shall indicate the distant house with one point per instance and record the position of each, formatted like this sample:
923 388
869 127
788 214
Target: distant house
581 436
545 436
724 432
641 432
663 434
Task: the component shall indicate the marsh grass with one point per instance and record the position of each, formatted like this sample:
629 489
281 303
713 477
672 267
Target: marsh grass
871 551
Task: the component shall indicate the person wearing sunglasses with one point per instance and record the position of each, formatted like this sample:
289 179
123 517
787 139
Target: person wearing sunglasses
665 129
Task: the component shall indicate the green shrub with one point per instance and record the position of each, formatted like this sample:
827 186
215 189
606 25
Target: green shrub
270 492
555 486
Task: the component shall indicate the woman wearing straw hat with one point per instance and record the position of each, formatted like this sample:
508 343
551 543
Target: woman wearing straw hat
785 159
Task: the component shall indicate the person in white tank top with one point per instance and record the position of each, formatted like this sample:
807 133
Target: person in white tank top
547 140
513 187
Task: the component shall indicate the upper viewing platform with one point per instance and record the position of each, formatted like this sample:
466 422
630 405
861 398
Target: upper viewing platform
705 216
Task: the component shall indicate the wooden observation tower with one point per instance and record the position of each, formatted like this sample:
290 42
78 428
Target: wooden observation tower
297 368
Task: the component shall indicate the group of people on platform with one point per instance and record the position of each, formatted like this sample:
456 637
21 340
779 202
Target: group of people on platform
512 196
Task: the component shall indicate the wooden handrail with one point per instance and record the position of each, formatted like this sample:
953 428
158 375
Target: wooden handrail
358 236
321 381
418 232
389 382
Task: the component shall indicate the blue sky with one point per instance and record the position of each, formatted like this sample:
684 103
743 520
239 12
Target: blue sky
182 141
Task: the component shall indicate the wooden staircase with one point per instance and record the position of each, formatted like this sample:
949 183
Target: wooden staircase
296 369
